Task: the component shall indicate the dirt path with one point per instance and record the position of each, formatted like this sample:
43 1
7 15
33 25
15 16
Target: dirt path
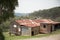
52 37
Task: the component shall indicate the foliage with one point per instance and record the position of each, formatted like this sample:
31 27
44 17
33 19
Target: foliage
1 35
57 19
5 26
52 13
7 9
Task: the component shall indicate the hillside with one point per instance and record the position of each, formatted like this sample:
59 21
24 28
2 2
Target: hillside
52 13
20 14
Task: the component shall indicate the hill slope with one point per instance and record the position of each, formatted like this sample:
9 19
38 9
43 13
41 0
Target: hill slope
20 14
53 13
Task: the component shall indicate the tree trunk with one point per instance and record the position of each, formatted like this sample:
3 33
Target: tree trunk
0 13
0 10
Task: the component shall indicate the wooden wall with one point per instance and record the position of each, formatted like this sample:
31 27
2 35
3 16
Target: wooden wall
45 28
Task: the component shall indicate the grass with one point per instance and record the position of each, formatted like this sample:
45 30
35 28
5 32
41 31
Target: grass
13 37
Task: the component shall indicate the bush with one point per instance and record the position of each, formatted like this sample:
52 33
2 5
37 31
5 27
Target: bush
5 26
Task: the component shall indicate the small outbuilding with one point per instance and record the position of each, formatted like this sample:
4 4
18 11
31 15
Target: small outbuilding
24 27
47 25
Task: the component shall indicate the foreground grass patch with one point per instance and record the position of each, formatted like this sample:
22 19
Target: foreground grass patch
13 37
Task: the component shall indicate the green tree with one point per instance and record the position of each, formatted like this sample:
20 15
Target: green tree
6 11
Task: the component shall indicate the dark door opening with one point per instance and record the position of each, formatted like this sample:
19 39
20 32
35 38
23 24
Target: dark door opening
57 26
32 33
51 28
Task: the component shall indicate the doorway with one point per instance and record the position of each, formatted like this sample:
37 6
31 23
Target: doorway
51 29
32 33
57 26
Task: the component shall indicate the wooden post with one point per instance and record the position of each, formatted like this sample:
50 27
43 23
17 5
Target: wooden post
52 27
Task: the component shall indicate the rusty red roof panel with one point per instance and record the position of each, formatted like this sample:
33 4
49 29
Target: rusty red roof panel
47 21
28 22
43 21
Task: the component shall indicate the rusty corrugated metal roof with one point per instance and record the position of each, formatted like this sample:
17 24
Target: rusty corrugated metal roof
28 22
35 23
43 20
46 21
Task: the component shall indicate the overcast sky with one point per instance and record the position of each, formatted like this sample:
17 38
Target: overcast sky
28 6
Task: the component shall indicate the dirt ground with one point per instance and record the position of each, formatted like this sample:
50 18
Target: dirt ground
51 37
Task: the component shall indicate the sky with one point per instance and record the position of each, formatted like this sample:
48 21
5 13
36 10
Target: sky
29 6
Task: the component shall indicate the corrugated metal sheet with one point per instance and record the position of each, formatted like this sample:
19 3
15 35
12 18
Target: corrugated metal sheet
28 23
35 23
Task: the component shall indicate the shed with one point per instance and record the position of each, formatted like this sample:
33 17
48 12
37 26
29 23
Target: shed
25 27
47 25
